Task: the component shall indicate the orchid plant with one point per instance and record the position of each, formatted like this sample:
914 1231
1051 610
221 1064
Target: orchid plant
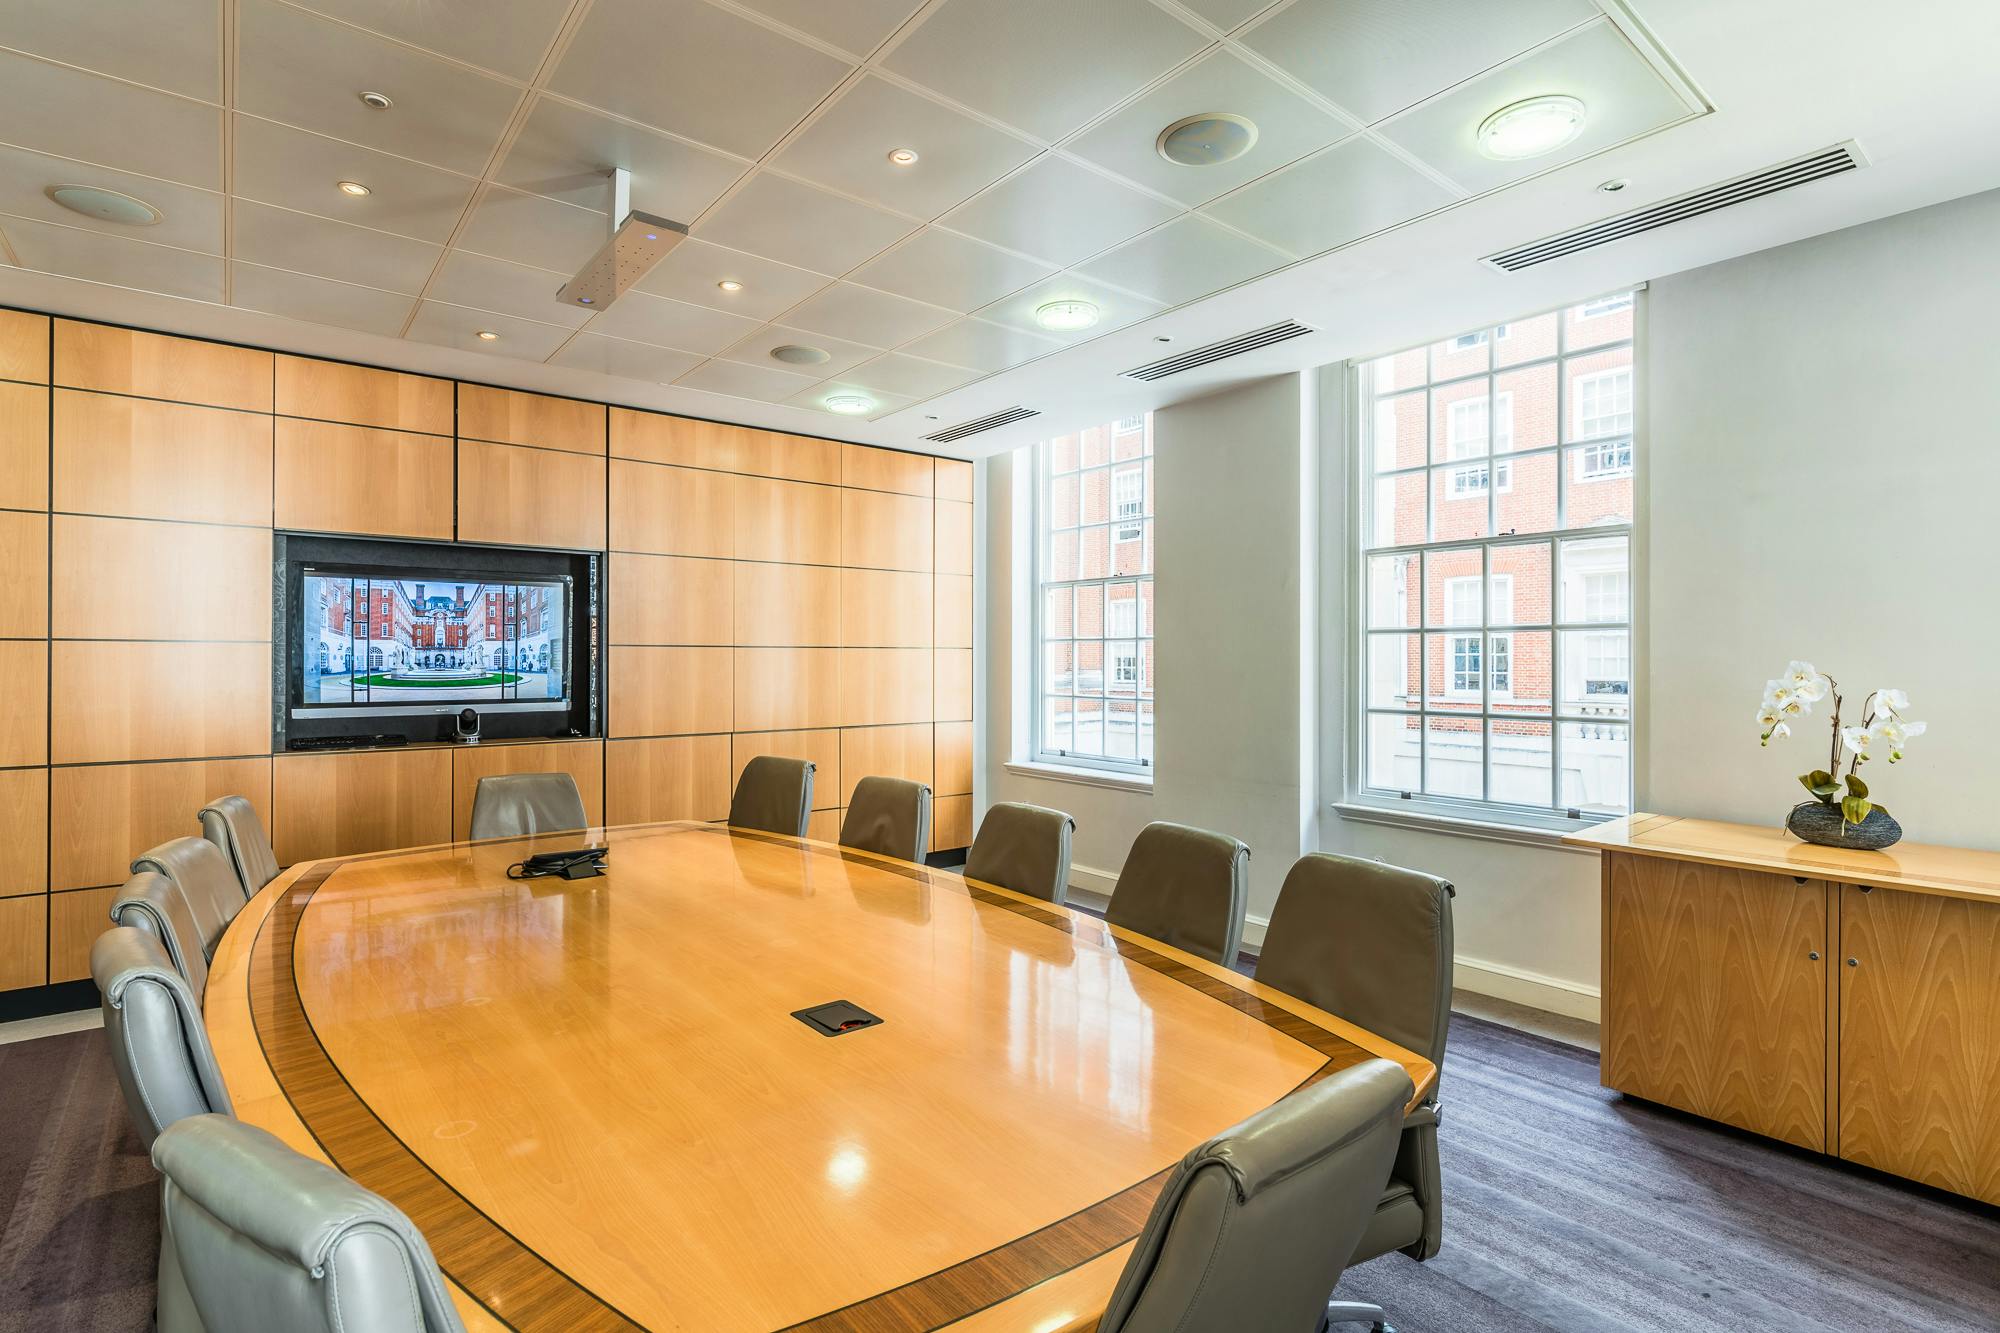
1885 729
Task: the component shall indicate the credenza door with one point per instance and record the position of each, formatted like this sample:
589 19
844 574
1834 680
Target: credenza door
1920 1038
1715 996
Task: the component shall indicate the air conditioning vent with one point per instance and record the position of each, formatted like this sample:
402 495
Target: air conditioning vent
1833 161
994 422
1202 356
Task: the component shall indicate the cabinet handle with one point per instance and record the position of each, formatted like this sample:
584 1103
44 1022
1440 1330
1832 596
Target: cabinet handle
1814 955
1854 962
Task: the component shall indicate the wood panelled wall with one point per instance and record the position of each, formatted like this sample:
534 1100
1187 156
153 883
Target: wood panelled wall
765 593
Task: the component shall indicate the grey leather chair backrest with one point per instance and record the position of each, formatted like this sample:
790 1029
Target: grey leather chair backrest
1253 1228
774 794
515 804
153 1026
231 823
269 1239
153 903
1186 887
1024 848
890 817
1371 943
214 895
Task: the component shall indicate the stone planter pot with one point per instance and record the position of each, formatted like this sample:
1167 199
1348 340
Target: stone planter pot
1814 822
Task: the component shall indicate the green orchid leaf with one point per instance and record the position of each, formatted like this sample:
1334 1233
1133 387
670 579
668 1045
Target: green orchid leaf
1856 787
1821 784
1855 809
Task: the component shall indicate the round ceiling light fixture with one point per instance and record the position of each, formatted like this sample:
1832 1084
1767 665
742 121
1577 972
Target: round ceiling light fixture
1613 186
355 188
375 101
105 205
1066 316
849 404
488 336
730 285
903 157
1207 139
1531 127
797 354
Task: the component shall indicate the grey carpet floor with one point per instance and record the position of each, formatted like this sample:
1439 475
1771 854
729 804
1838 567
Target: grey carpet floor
1568 1208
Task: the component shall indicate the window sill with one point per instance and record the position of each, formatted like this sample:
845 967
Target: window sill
1087 777
1490 830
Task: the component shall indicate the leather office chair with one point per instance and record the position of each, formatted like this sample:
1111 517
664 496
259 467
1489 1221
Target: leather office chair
231 823
1185 887
1372 943
152 1023
1024 848
213 893
890 817
514 805
1251 1230
270 1239
774 794
152 903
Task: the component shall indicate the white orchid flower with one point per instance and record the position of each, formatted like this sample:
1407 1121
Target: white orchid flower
1891 703
1767 717
1778 732
1858 739
1777 692
1896 734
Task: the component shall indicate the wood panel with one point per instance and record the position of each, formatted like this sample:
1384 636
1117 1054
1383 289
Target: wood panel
103 815
117 700
153 365
954 611
951 823
24 941
1713 1002
507 416
880 686
884 752
824 825
668 691
24 346
954 685
383 483
24 831
582 760
954 538
820 748
885 470
954 759
885 608
1920 1038
669 600
672 510
366 801
786 689
24 702
131 578
954 480
139 459
24 446
76 919
671 777
529 497
792 521
362 396
654 437
24 575
787 606
882 531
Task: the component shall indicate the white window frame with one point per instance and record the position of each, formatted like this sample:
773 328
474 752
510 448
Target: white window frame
1128 525
1599 380
1604 305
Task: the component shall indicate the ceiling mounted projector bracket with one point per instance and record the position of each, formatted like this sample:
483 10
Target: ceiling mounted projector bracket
638 241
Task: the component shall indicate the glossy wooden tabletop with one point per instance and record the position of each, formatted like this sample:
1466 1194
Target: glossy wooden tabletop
593 1099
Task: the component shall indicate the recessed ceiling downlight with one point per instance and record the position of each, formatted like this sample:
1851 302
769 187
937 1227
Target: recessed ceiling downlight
1531 127
104 205
849 404
1066 316
1207 139
488 336
355 188
375 101
797 354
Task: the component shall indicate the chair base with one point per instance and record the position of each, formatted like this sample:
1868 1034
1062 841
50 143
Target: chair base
1357 1312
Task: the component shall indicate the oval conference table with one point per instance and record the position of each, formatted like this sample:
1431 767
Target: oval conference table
594 1099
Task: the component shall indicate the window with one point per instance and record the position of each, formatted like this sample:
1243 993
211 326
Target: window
1493 675
1094 597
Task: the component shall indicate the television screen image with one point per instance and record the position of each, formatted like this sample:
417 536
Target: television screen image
384 641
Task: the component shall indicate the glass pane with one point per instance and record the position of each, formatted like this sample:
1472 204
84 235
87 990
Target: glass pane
1121 667
1524 409
1121 729
1525 340
1057 734
1396 517
1601 394
1062 501
1600 482
1090 726
1089 613
1090 667
1518 671
1057 620
1394 670
1058 662
1596 581
1062 454
1062 556
1451 587
1604 320
1461 421
1519 758
1596 767
1454 662
1093 553
1145 608
1121 610
1597 673
1146 729
1458 501
1392 592
1398 432
1525 496
1394 753
1454 757
1518 584
1095 446
1148 665
1463 355
1096 496
1128 547
1402 371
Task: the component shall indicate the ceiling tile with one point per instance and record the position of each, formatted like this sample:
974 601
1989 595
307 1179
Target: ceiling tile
743 381
1347 192
279 238
665 323
1226 14
567 153
455 326
865 315
1621 93
72 114
1059 211
697 70
847 149
978 345
1046 66
114 260
908 376
944 268
796 224
317 300
882 403
1288 127
1374 57
627 360
692 270
510 38
1188 258
853 25
1115 308
755 350
190 218
171 44
529 229
308 71
276 164
511 289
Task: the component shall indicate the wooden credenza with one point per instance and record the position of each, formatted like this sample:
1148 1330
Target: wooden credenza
1846 1002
